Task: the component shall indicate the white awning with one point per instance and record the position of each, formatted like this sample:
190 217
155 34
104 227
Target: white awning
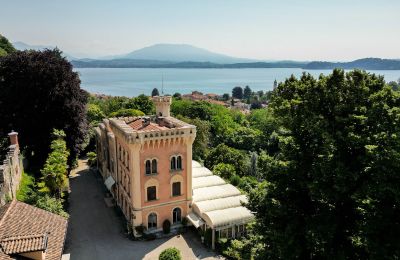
201 172
215 192
207 181
195 220
217 204
109 182
228 217
196 164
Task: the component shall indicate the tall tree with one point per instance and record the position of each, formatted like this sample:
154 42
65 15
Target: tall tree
39 91
155 92
237 92
333 186
247 92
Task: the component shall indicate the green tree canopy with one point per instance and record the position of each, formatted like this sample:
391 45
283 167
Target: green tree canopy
247 92
171 253
126 112
225 154
5 46
39 91
155 92
237 92
333 189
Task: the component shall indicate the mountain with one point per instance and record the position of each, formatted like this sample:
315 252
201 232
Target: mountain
365 64
24 46
178 53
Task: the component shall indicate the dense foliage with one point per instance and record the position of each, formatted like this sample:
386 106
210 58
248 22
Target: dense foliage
332 188
171 253
5 46
54 172
39 92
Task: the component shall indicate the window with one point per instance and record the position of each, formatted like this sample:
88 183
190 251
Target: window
152 221
151 193
179 162
176 215
173 163
148 170
154 166
176 189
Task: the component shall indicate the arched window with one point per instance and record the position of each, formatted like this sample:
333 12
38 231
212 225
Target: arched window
154 166
176 215
152 221
179 162
173 163
148 169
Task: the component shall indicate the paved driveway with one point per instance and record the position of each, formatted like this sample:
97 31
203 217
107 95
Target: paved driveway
96 232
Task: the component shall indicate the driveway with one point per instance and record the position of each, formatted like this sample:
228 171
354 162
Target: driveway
96 231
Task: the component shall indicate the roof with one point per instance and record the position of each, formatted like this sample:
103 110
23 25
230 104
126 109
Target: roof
206 181
23 244
24 227
226 217
215 202
200 172
215 192
137 125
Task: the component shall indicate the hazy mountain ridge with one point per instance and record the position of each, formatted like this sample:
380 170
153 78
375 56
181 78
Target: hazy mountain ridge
366 64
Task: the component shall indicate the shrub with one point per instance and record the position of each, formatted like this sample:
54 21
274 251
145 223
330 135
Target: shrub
170 254
26 186
166 226
235 180
127 112
92 158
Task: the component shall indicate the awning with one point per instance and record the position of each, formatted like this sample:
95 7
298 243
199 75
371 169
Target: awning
109 182
195 220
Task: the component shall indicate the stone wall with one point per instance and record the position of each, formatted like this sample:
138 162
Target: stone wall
10 171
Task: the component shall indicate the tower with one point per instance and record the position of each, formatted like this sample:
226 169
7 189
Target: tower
163 104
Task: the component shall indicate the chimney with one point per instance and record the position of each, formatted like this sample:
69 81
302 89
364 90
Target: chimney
13 138
145 121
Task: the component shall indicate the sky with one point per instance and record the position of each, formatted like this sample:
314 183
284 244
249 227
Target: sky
332 30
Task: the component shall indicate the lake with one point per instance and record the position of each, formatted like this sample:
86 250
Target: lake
136 81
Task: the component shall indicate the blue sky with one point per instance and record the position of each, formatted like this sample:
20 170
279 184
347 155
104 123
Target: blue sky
285 29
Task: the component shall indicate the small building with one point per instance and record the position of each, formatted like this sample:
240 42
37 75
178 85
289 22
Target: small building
27 232
147 166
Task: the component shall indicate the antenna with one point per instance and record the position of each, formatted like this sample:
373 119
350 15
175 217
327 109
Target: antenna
162 84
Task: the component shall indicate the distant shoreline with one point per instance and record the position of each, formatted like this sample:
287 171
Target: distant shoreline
364 64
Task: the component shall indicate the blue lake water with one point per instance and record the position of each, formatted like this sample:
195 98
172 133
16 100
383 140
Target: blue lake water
136 81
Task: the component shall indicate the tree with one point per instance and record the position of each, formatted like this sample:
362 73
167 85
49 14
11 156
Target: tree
39 91
155 92
144 104
171 253
237 92
333 185
127 112
5 46
177 96
247 92
227 155
224 170
225 97
94 113
54 172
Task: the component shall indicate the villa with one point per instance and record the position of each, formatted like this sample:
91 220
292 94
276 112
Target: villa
147 166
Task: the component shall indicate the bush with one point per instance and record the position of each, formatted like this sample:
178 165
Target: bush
26 186
235 180
127 112
170 254
92 158
166 226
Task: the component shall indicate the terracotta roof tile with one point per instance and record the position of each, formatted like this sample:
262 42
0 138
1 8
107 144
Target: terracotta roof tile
22 244
138 126
21 220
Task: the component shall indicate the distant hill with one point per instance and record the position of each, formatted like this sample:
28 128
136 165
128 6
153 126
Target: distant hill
178 53
24 46
366 64
131 63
